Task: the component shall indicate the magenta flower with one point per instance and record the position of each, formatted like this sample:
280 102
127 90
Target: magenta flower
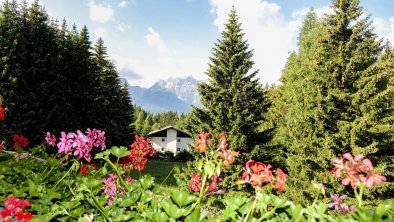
79 144
110 188
50 139
356 170
65 144
338 206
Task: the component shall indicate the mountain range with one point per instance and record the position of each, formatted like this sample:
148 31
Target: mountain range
173 94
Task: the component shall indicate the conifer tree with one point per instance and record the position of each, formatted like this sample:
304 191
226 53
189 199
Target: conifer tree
332 103
233 100
113 112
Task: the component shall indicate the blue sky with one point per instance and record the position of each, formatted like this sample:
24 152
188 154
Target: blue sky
150 40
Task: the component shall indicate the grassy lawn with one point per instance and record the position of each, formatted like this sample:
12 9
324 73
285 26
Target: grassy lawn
160 169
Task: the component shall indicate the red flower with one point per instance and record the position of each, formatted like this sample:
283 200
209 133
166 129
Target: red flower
228 157
14 208
195 183
139 150
280 180
257 173
20 141
84 169
22 217
2 112
201 144
213 185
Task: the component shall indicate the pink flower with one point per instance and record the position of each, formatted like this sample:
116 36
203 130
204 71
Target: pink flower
339 206
65 144
356 170
50 139
129 180
110 188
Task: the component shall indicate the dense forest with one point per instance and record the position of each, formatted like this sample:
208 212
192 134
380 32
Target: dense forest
146 122
336 94
53 79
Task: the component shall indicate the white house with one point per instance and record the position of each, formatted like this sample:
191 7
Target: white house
170 139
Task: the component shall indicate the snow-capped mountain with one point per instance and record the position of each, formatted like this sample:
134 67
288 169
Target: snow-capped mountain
174 94
184 88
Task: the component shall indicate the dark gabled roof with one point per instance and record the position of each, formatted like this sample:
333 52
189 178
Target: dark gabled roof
162 132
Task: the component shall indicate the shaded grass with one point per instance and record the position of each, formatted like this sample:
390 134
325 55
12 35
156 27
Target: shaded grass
160 169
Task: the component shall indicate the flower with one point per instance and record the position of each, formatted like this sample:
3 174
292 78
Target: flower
228 157
79 144
84 169
201 144
195 183
257 173
339 206
129 180
1 146
50 139
356 170
110 187
213 185
137 158
2 112
14 208
20 141
280 180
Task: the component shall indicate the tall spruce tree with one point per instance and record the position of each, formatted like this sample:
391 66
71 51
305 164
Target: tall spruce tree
233 100
333 105
114 107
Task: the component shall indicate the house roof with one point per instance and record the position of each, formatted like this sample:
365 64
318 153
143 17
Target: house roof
156 132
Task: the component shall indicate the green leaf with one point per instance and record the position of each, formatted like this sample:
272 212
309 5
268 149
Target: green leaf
172 210
196 215
32 188
147 181
120 152
146 196
182 198
68 205
160 217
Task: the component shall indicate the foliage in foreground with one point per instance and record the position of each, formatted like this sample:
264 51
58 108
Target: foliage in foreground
67 189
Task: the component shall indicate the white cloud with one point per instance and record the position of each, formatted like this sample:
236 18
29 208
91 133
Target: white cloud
123 27
153 39
384 28
320 12
269 35
120 28
100 32
100 13
124 3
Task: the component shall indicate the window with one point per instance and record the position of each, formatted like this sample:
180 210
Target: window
163 139
178 149
179 140
162 149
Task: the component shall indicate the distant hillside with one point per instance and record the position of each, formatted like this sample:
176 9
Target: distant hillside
174 94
